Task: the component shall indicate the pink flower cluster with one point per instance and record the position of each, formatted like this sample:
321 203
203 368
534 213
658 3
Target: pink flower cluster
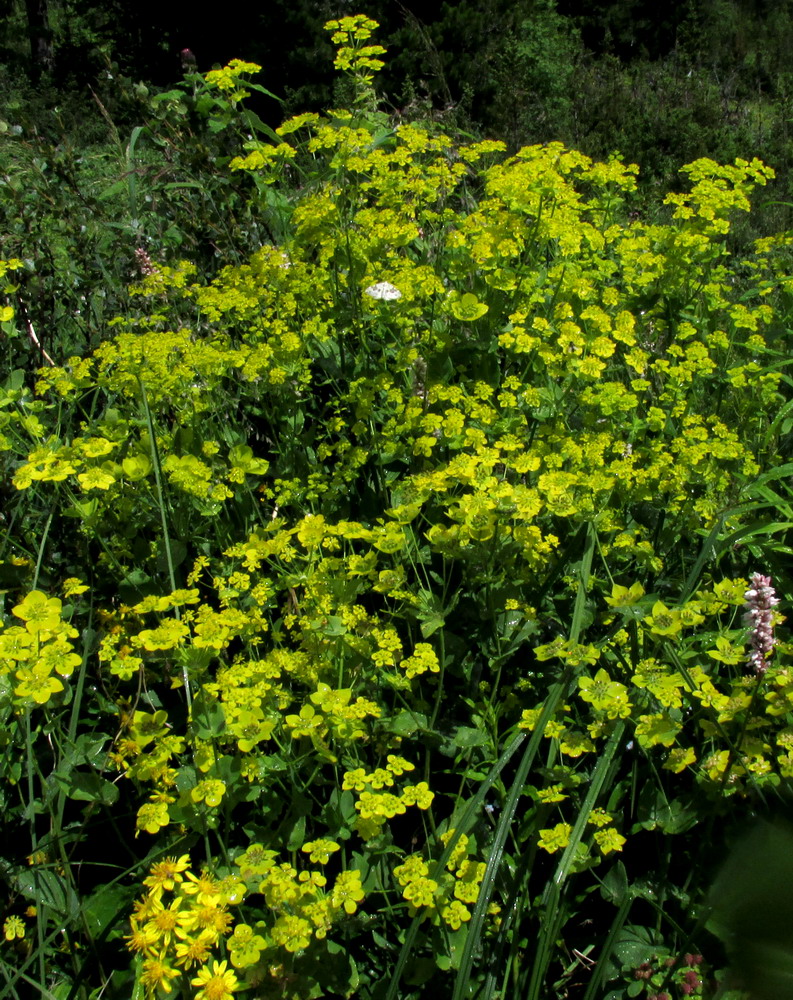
759 617
145 263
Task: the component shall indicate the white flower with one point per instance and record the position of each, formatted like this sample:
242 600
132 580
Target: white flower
383 290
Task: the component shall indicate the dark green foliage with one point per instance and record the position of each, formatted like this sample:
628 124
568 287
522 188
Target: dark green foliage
87 200
661 83
752 911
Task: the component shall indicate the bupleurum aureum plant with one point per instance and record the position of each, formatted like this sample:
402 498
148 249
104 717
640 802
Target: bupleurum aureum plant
374 613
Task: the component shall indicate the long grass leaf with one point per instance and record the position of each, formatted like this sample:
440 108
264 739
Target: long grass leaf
598 979
705 554
556 693
551 901
461 825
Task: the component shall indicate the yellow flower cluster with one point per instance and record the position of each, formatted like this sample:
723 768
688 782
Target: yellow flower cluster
666 683
183 918
375 805
450 898
38 655
178 924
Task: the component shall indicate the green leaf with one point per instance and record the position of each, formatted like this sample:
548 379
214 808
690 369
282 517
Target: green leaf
186 778
87 786
105 911
241 455
136 467
207 716
419 971
657 812
615 885
46 887
178 551
464 737
297 835
405 724
330 625
457 941
431 624
634 946
120 187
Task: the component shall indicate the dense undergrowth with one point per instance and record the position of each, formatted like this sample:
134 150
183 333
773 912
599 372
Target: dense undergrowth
375 615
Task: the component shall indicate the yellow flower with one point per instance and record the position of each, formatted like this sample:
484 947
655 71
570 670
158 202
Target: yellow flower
166 874
609 840
210 791
320 850
347 891
554 793
37 684
39 612
455 914
663 620
203 887
95 479
218 984
157 975
599 817
312 530
555 838
152 815
13 928
193 950
418 795
291 932
142 937
245 946
605 695
421 892
165 919
679 759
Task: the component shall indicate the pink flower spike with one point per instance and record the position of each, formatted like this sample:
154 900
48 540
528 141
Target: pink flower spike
145 263
760 601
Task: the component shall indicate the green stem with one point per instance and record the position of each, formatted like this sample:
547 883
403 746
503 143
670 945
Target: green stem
155 458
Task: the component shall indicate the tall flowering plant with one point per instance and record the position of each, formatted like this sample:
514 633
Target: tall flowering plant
759 617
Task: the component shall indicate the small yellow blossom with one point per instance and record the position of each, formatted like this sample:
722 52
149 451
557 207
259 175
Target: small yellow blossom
13 927
555 838
217 984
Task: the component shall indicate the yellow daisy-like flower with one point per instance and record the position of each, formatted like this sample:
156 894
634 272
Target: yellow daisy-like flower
204 887
142 937
157 975
218 984
191 950
166 874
